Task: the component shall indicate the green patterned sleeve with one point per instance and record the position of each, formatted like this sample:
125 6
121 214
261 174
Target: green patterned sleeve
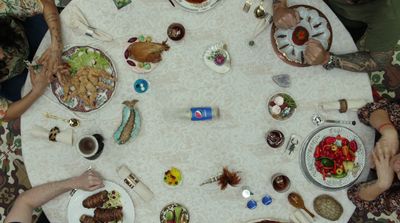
3 107
20 8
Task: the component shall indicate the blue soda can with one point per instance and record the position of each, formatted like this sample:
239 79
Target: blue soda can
203 113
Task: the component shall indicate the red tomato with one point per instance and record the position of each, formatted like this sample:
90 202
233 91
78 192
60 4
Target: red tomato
353 146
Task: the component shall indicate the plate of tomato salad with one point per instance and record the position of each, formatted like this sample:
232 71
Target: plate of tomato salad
333 157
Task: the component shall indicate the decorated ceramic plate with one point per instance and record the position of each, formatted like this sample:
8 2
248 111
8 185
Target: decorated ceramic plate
197 5
174 213
139 67
333 157
289 44
281 106
217 58
76 209
92 81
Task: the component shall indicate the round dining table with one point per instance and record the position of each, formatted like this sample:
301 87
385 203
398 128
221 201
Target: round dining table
168 138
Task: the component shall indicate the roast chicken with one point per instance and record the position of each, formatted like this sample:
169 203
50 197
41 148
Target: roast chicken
147 51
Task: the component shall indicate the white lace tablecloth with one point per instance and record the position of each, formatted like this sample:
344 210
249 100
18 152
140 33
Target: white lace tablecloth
182 80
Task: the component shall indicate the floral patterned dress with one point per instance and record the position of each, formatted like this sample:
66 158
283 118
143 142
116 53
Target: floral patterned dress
13 177
389 201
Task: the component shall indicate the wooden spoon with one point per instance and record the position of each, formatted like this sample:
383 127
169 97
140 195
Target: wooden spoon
297 201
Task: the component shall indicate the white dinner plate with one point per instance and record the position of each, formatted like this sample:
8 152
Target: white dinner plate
201 7
76 209
307 159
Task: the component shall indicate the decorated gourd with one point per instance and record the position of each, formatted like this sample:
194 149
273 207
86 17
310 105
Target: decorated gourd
130 123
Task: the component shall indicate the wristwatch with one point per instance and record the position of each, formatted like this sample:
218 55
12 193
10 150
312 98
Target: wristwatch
332 62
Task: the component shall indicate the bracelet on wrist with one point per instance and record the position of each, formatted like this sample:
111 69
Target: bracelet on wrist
384 125
332 62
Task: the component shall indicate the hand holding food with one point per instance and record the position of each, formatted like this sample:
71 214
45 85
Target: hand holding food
39 81
51 60
285 17
315 54
89 181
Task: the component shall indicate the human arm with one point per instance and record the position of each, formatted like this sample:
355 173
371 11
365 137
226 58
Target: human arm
283 16
362 61
381 158
37 196
51 58
384 116
39 85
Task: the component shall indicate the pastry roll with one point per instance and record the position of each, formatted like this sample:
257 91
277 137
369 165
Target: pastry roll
96 200
108 214
87 219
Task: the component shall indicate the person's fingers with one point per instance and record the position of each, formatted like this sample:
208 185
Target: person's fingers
95 187
374 156
297 16
380 154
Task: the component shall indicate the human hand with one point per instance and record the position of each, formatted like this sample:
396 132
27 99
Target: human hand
390 139
51 60
382 165
315 54
90 180
285 17
39 81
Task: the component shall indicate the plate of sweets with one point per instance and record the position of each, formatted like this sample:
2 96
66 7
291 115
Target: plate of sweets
89 79
281 106
333 157
110 204
197 5
142 54
290 43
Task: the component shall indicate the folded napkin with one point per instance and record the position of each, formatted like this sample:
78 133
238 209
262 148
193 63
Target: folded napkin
78 20
343 105
134 183
300 216
64 136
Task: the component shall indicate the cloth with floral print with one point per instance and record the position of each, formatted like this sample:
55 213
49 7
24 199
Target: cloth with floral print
386 207
13 11
381 81
13 176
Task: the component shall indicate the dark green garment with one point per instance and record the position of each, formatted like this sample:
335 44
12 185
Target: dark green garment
381 16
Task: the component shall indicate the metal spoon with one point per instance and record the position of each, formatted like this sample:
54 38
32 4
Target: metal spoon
297 201
260 11
318 120
73 122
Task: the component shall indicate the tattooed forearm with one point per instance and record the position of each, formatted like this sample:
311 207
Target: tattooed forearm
363 61
370 191
53 22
